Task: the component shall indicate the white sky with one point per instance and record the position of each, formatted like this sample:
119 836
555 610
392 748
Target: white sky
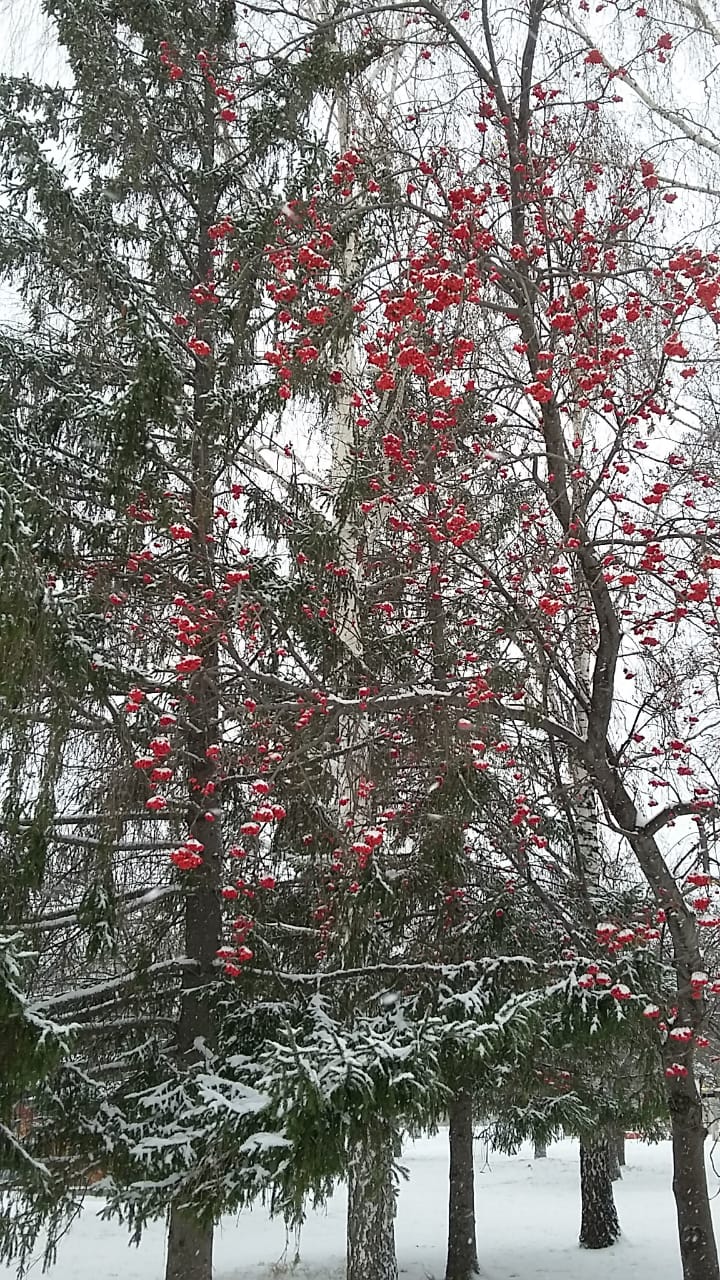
27 47
27 43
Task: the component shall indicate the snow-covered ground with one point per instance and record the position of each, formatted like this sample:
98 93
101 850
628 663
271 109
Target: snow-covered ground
527 1213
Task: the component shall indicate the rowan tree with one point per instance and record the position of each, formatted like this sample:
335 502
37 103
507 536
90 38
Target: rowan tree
583 386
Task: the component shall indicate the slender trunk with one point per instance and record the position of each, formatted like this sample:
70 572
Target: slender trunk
620 1147
599 1227
698 1250
189 1248
613 1162
370 1236
540 1151
462 1262
189 1241
371 1212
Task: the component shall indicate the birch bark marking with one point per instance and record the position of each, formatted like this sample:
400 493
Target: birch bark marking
600 1227
462 1259
371 1187
371 1213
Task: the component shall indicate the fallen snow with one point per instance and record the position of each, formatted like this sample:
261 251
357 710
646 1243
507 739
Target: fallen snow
527 1215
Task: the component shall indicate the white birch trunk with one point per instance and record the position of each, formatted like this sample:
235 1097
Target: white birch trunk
371 1185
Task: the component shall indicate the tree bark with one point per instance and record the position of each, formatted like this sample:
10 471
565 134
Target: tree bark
620 1147
462 1261
540 1150
189 1242
371 1212
599 1227
613 1161
698 1250
189 1248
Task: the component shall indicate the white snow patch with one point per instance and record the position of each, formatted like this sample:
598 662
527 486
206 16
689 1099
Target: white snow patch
528 1216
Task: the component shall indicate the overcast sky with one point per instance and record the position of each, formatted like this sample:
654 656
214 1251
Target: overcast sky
27 47
27 43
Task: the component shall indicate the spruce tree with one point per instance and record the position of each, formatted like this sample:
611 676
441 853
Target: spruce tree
137 204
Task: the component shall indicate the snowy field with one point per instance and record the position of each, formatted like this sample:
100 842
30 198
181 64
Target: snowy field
528 1217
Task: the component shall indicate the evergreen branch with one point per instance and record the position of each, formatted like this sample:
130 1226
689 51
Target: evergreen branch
486 966
89 995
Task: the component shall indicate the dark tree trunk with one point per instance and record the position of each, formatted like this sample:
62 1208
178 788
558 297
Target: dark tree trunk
620 1147
697 1239
189 1242
613 1162
698 1250
189 1248
371 1212
540 1151
462 1262
599 1227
